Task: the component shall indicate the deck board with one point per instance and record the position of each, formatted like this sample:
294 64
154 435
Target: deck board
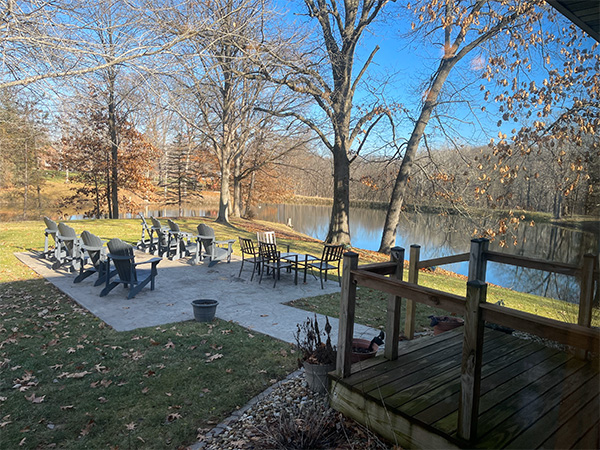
531 395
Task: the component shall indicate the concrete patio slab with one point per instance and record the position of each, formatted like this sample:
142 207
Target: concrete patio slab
258 307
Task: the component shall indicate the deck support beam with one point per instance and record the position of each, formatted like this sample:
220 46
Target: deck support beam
411 305
394 306
470 376
347 312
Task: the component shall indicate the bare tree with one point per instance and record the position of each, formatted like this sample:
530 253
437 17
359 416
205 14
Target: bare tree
331 80
461 27
46 39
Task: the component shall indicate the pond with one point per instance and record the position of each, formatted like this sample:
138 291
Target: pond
447 235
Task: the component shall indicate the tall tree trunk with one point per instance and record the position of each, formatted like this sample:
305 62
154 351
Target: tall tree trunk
224 197
114 145
250 192
26 191
339 228
392 218
237 187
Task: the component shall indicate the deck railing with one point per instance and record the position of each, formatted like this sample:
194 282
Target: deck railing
388 277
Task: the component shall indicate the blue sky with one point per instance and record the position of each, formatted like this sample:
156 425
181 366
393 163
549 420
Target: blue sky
412 64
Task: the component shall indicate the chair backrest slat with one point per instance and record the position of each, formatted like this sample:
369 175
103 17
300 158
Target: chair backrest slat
266 237
209 233
332 253
125 267
247 246
93 245
51 226
268 251
173 226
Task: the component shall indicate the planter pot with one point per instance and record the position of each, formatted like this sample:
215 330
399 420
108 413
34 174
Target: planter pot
204 309
360 350
446 323
316 376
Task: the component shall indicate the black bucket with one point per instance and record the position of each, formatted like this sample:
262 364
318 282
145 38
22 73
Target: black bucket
204 309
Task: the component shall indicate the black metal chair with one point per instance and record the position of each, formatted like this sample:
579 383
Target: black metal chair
250 254
214 250
330 260
121 254
271 259
94 252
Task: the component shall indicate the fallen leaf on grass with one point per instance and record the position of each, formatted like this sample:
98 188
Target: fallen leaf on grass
173 417
168 394
105 383
130 426
102 399
229 370
145 390
86 430
250 335
33 399
214 357
22 442
226 331
169 344
3 399
71 350
66 407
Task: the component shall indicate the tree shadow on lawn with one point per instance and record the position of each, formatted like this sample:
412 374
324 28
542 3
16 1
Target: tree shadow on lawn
71 380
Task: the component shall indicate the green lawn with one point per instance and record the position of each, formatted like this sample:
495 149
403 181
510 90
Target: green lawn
67 379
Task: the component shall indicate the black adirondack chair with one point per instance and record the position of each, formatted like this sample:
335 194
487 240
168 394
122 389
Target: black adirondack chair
121 254
330 260
271 259
182 244
159 245
249 254
66 252
50 231
92 252
214 250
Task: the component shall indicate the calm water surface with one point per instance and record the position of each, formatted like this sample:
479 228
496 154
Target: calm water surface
442 236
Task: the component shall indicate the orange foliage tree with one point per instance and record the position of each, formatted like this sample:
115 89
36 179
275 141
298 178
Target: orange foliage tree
87 151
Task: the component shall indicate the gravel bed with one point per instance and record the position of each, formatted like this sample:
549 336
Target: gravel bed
289 416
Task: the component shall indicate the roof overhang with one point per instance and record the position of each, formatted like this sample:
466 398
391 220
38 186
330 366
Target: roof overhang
583 13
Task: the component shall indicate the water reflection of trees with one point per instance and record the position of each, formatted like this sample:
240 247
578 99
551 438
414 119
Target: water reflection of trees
445 235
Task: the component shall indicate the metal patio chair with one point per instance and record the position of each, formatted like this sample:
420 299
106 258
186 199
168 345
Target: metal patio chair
249 254
271 259
330 260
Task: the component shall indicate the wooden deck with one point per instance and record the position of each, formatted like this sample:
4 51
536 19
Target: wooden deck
532 396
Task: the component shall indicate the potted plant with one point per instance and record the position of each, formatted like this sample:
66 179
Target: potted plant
317 357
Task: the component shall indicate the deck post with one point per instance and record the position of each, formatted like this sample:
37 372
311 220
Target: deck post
394 305
347 308
411 305
470 376
477 260
586 296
